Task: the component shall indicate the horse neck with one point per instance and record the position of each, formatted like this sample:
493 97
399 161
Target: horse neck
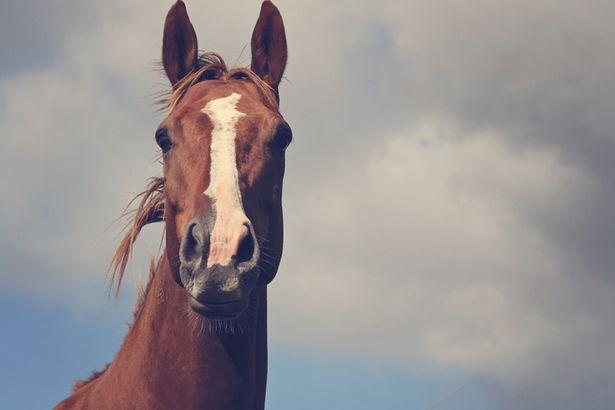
183 361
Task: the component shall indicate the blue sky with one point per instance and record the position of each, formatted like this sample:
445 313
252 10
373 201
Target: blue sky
448 197
48 347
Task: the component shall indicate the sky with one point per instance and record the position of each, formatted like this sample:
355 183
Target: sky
449 196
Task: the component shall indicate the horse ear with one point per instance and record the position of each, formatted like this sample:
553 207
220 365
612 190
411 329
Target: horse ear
179 46
269 52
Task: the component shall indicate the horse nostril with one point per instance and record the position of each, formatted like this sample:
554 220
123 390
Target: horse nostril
245 250
193 243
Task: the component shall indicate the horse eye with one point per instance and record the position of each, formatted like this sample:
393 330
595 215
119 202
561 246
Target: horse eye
163 140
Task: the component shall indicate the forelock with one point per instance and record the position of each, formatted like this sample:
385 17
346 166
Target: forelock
212 67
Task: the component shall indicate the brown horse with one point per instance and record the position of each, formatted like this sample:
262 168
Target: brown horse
199 337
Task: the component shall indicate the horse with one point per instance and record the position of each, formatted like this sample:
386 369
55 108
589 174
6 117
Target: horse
199 335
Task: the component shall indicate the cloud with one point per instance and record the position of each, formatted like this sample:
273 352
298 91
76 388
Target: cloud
448 195
66 127
537 72
419 250
33 33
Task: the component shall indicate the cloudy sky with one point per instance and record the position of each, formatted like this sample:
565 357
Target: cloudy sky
448 201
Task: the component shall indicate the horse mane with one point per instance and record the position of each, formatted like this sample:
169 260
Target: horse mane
142 291
210 66
149 210
93 376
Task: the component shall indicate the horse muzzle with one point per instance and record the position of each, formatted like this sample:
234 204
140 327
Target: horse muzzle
218 268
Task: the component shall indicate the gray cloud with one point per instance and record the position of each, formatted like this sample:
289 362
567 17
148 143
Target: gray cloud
448 196
34 33
537 72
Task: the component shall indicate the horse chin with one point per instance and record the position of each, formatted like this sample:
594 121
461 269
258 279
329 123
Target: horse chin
219 311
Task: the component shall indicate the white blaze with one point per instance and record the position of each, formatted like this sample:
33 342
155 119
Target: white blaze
223 189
